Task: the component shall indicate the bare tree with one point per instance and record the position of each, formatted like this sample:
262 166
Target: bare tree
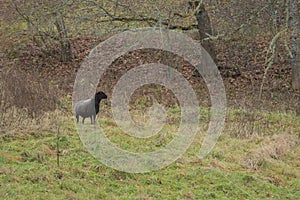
65 45
46 26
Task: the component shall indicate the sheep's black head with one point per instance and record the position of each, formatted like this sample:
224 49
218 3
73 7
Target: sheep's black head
100 95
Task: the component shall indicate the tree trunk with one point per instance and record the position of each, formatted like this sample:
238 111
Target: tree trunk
204 28
295 42
65 45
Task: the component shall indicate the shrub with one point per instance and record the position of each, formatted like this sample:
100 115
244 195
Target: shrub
24 96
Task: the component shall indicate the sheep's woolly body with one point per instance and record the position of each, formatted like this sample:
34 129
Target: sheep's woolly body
89 107
85 108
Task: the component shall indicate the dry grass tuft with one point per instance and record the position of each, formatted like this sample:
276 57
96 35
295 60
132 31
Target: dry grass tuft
272 148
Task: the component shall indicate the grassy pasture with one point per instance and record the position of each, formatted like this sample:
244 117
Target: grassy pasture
241 166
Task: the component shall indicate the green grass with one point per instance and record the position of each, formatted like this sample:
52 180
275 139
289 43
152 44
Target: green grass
29 168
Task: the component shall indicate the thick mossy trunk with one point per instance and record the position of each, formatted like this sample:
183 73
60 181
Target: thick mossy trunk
295 42
205 29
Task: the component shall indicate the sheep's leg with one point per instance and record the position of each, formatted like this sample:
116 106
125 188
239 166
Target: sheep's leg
83 120
94 117
77 118
91 119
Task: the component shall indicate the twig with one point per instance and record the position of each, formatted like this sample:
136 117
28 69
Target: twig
270 60
57 147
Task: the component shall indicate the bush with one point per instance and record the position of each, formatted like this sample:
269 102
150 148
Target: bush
24 96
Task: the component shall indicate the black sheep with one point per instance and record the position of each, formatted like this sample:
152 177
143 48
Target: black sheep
89 107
